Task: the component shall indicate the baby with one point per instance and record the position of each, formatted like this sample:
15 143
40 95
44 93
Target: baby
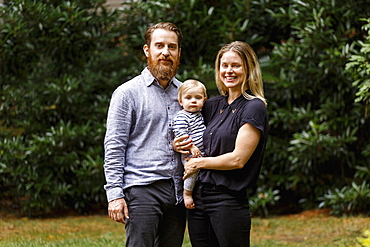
189 121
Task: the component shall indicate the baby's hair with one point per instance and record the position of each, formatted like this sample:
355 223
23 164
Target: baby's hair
191 83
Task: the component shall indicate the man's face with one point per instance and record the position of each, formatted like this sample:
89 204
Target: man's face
163 54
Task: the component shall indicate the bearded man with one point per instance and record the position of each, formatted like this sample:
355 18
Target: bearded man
143 173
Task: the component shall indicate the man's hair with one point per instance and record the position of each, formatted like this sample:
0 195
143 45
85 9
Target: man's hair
162 25
191 83
251 68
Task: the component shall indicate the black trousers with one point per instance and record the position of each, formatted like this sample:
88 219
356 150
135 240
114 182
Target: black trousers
219 218
154 220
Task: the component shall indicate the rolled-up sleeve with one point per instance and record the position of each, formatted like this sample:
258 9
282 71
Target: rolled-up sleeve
119 122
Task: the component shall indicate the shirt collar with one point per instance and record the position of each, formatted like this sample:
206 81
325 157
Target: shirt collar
150 79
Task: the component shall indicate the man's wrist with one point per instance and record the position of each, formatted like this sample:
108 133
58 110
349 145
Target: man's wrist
114 193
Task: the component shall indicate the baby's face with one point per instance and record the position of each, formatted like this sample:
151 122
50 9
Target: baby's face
193 99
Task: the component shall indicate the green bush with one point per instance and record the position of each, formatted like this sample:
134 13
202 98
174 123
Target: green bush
54 101
350 200
358 67
262 199
318 130
61 60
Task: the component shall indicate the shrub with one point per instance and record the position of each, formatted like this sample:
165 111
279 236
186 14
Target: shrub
61 60
350 200
318 131
53 102
263 198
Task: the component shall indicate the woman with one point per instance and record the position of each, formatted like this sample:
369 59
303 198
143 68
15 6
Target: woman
234 141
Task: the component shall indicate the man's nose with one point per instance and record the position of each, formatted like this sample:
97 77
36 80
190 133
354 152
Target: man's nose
165 51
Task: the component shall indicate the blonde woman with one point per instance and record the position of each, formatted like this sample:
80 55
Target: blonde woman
234 143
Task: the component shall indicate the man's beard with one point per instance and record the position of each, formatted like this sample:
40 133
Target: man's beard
163 71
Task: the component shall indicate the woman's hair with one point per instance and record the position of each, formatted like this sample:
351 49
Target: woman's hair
162 25
191 84
251 68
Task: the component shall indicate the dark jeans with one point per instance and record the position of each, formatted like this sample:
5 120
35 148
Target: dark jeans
219 218
154 220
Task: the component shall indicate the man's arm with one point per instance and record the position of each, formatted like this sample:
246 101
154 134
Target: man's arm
115 144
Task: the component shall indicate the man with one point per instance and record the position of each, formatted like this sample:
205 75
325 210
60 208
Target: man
143 173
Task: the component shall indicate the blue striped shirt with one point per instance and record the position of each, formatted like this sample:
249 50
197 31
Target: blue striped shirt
187 123
138 140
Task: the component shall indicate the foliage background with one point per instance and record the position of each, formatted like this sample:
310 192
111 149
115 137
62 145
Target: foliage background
61 60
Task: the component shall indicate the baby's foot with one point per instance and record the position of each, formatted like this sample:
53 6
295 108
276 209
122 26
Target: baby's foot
189 202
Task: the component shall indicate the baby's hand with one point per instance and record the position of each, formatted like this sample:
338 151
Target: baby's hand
195 152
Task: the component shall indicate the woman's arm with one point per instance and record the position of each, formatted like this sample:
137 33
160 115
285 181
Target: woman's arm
246 142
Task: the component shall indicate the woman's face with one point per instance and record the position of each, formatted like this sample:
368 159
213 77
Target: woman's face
231 70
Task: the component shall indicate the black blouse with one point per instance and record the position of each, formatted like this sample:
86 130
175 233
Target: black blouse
223 122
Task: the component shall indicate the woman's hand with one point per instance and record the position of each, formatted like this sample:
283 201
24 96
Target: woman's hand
191 166
180 145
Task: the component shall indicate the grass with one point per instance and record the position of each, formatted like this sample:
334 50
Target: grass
310 228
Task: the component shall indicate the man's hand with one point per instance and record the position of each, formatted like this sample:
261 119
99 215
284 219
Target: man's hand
118 211
180 145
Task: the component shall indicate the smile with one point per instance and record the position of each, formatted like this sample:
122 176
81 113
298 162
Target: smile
230 77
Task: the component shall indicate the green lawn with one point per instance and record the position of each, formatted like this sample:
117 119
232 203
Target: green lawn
312 228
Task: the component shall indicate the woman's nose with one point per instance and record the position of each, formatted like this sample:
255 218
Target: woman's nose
229 69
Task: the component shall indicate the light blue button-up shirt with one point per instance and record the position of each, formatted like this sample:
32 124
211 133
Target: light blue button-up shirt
138 140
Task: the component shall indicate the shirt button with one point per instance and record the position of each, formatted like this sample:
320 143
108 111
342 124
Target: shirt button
168 107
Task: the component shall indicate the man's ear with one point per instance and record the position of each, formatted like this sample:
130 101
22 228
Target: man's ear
146 50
